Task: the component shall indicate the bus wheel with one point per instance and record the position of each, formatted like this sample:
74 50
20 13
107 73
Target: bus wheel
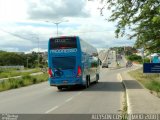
97 78
59 88
87 81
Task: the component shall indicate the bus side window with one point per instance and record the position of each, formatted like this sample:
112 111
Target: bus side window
94 62
99 61
90 61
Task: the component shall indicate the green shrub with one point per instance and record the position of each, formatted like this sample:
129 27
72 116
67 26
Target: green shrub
26 80
154 85
134 57
147 60
150 81
21 83
1 70
26 77
4 73
34 80
13 83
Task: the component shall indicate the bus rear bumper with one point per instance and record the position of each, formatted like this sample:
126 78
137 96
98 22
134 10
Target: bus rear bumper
62 82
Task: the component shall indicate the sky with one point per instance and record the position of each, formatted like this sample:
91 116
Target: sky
26 25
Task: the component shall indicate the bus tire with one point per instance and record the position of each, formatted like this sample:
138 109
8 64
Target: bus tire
87 82
59 88
97 78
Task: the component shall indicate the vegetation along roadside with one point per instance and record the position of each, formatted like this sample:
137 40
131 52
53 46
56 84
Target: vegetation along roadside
5 73
149 81
25 80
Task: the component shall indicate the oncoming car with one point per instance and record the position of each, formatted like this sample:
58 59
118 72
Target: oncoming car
104 65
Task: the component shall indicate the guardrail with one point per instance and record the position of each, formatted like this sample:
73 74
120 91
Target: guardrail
17 66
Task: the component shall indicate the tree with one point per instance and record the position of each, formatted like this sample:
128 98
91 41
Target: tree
10 58
140 16
32 59
28 60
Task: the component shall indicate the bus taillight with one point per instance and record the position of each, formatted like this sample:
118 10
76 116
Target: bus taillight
50 72
79 71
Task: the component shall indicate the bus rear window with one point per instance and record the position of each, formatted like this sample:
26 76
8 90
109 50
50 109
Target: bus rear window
64 62
63 43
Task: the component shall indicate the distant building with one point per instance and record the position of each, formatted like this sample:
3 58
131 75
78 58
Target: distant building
155 58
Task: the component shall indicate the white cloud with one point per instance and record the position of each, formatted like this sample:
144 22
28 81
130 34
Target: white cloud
36 50
94 28
12 10
49 9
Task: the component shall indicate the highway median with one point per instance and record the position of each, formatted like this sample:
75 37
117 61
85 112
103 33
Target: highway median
5 73
25 80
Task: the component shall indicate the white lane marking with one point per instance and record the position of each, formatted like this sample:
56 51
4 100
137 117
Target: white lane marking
127 97
52 109
69 99
119 77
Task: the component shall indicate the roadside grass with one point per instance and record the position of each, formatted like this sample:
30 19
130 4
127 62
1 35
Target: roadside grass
125 108
26 80
124 111
150 81
5 73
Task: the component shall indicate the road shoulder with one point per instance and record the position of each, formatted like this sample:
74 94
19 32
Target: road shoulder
139 100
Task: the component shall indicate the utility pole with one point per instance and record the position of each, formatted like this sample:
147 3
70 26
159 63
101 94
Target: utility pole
57 23
27 62
36 37
57 26
38 50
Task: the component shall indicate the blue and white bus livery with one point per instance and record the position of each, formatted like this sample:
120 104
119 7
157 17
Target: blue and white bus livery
72 61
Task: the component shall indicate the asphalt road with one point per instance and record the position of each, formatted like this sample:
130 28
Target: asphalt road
103 97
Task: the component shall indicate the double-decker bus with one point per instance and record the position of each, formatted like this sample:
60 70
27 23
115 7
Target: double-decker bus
72 61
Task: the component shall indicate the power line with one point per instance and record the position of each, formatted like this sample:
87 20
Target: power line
16 35
91 31
81 32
